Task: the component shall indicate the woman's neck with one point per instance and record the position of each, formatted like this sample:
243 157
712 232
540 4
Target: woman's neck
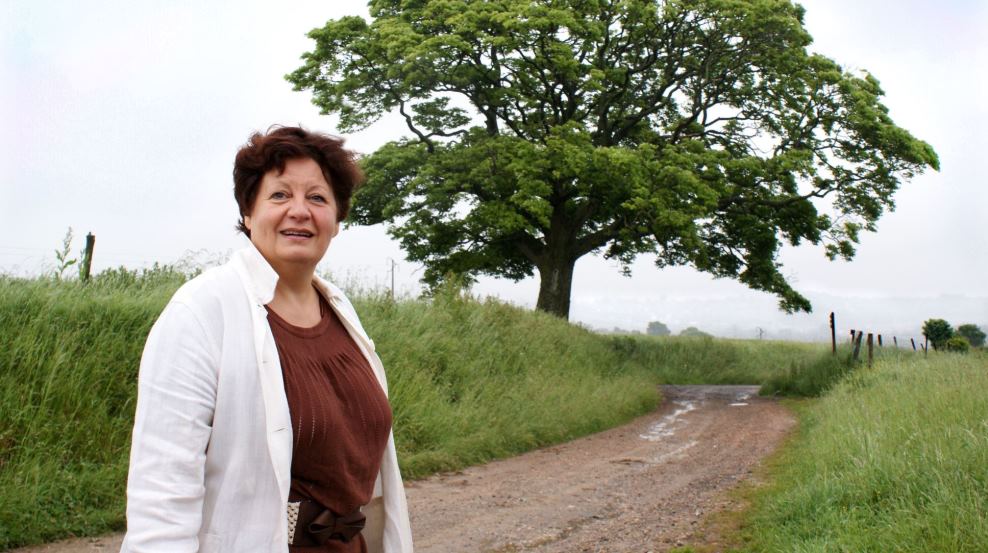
295 288
296 301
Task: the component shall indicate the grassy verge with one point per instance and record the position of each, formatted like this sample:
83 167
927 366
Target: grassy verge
894 458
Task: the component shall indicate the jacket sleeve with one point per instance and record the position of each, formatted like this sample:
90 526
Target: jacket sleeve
175 400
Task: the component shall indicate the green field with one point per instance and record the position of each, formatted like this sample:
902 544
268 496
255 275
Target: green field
895 458
470 381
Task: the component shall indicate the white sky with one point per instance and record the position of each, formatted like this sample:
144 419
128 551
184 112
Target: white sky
122 119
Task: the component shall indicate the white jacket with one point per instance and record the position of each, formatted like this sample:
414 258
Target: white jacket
210 461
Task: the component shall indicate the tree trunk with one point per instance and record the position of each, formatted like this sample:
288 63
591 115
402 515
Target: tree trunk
555 286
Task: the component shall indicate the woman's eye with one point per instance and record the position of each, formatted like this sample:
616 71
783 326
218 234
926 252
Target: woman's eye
318 198
278 196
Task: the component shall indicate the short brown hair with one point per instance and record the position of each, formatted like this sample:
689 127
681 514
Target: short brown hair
266 151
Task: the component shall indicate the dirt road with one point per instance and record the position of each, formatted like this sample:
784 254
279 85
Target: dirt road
645 486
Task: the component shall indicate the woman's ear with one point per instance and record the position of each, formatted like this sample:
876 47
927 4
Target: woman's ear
247 221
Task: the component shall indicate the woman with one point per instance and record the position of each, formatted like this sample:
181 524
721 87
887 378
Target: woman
262 418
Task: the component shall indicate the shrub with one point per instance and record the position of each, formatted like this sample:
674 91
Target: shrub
958 344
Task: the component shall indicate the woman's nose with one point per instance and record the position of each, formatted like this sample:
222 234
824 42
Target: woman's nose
297 209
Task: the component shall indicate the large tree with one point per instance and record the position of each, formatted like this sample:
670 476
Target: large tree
541 131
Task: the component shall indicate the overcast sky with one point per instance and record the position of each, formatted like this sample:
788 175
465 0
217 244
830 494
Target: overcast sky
122 119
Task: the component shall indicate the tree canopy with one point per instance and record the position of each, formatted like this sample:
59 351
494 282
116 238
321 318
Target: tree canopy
937 331
701 131
658 328
973 333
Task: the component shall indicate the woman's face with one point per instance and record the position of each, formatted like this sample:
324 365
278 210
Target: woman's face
294 216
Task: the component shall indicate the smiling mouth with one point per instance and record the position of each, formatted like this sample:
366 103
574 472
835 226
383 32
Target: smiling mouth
296 233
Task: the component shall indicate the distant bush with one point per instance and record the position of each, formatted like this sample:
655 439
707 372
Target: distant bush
958 344
694 332
973 333
656 328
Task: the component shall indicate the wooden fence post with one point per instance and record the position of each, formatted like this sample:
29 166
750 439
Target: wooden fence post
852 336
913 340
833 334
926 345
880 341
87 257
871 348
857 344
895 341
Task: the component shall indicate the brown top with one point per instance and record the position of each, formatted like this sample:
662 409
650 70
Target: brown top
341 418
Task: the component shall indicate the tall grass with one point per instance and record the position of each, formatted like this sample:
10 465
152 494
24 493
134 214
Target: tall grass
705 360
475 381
68 367
895 458
813 376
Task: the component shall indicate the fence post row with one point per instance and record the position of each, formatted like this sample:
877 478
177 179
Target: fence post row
858 335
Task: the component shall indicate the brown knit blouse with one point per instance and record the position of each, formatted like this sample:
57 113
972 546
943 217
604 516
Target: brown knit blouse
340 417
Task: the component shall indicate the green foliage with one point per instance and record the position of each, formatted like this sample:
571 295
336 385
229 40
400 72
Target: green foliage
701 130
656 328
958 344
975 336
892 459
937 331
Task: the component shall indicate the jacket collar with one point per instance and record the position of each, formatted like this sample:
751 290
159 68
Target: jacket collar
262 278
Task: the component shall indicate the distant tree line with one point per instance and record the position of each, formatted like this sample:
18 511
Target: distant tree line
656 328
942 336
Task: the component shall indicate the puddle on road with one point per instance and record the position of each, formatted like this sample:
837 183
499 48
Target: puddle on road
661 429
741 400
676 453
